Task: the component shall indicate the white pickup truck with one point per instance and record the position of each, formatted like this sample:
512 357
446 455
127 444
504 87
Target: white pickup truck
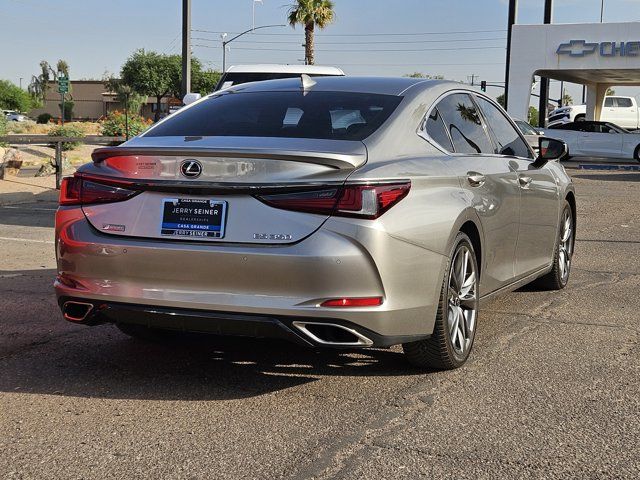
622 111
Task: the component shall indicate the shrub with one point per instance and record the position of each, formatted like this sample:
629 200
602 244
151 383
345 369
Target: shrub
68 110
19 128
114 124
44 118
3 127
67 131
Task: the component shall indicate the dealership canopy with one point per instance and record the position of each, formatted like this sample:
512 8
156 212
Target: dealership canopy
598 55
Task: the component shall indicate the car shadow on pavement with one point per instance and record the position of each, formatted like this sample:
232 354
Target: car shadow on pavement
42 353
102 363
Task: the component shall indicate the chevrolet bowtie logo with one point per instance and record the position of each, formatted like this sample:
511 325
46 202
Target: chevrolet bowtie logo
577 48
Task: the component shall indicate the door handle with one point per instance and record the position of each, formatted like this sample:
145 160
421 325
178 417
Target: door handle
476 179
524 181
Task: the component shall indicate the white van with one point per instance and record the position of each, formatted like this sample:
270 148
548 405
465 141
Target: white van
255 73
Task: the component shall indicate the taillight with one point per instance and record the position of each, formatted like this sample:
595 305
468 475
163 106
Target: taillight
80 190
363 201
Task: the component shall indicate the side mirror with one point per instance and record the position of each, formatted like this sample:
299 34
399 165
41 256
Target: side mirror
549 149
190 98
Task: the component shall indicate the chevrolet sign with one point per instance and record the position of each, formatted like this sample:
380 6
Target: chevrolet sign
581 48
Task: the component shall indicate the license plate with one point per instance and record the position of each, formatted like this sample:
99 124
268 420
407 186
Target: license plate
193 218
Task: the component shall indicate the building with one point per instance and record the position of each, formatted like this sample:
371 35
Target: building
92 101
597 55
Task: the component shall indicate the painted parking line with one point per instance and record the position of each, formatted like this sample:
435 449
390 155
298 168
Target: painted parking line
29 240
18 207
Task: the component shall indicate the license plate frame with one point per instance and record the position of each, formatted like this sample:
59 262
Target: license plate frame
193 218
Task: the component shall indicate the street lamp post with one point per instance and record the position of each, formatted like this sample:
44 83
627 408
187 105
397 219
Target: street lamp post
227 42
253 13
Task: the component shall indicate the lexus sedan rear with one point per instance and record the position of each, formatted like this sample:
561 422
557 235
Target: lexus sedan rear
332 212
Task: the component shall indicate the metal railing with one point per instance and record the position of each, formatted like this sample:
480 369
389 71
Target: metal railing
58 141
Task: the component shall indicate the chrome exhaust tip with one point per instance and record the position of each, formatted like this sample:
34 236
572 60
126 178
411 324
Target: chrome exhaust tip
76 311
332 334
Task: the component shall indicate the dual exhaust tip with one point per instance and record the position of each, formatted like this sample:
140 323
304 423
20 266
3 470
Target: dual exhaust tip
76 312
332 334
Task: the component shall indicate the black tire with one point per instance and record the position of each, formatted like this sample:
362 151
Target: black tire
556 279
580 118
437 352
636 154
140 332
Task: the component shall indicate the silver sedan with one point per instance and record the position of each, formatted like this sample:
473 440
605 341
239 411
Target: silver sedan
332 212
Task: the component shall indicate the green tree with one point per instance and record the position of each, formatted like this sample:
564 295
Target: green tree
610 92
204 82
567 99
152 74
40 84
62 68
125 95
310 14
424 75
500 100
13 97
533 116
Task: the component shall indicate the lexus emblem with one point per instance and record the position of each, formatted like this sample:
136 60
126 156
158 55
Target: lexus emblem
191 168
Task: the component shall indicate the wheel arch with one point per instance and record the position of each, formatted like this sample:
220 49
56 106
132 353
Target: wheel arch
469 223
472 231
571 198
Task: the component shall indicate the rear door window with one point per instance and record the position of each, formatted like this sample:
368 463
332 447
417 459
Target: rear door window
464 123
608 102
624 102
508 140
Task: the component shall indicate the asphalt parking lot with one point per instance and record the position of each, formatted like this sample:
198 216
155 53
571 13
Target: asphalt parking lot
551 389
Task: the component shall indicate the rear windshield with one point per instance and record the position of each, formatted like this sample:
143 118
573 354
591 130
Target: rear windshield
321 115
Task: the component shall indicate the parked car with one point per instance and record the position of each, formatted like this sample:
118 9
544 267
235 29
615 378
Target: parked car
13 116
238 74
621 111
341 212
597 139
531 134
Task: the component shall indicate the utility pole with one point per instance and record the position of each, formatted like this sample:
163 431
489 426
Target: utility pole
473 79
544 81
513 18
601 10
20 83
186 47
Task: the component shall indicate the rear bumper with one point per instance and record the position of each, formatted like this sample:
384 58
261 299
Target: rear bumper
225 323
233 281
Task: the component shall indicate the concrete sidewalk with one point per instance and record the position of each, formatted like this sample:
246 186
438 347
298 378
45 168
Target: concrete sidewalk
31 189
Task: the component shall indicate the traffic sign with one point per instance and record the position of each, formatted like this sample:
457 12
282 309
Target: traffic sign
63 84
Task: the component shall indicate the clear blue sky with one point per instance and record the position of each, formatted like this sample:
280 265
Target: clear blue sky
97 36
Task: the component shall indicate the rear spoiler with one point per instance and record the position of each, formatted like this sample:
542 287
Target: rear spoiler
341 161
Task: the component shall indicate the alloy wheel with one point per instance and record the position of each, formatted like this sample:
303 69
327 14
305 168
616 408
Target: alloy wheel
566 246
462 300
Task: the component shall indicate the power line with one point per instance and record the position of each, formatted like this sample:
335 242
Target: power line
360 51
357 43
370 34
418 64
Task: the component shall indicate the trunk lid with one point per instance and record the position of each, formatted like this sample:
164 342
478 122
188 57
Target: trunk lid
181 181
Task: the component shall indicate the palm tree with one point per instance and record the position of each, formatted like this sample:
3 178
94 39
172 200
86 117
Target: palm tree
310 13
